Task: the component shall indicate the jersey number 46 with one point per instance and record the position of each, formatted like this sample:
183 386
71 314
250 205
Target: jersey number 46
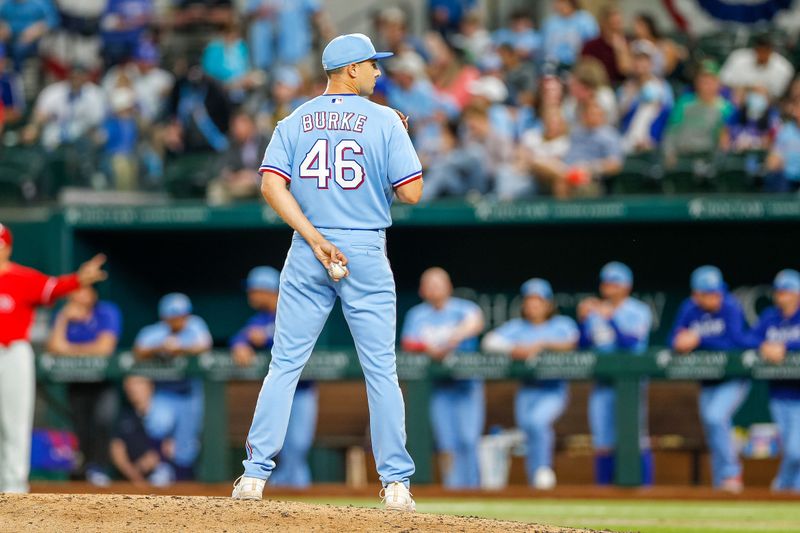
347 173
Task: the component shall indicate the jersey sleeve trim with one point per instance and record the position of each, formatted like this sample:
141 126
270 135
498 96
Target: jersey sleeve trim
414 176
275 170
47 290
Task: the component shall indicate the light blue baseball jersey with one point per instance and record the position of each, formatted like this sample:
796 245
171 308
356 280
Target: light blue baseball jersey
628 328
433 327
556 329
196 332
342 156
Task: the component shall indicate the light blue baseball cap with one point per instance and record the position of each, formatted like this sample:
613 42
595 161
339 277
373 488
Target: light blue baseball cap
707 279
348 49
787 280
263 278
174 305
537 287
616 272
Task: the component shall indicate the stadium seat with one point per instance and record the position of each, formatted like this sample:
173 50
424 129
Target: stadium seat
691 174
640 175
187 176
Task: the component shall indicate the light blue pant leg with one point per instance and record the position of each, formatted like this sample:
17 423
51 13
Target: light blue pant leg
369 305
306 297
457 414
602 418
786 414
189 424
293 469
536 410
470 414
718 404
159 422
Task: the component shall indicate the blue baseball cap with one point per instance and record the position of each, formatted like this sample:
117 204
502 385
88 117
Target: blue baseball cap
707 279
348 49
787 280
618 273
174 305
537 287
263 278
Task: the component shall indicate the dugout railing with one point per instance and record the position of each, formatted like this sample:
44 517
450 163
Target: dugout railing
418 373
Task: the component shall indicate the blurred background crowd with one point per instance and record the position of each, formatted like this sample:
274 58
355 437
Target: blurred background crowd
180 98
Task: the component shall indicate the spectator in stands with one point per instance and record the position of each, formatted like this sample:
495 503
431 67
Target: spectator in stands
588 82
447 15
618 323
611 46
777 331
565 32
697 122
712 319
438 327
595 153
549 141
141 459
239 178
22 25
753 124
520 35
176 411
86 326
281 32
783 161
12 93
491 93
519 75
410 91
151 83
391 26
481 134
645 102
119 137
227 60
538 403
257 334
448 73
473 38
67 112
671 55
199 114
455 170
122 28
790 97
189 13
759 65
276 101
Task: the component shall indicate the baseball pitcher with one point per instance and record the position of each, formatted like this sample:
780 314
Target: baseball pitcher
331 171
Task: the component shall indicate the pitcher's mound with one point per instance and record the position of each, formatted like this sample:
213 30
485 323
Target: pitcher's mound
66 513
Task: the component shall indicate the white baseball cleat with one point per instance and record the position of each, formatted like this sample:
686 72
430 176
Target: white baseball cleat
544 478
396 497
248 488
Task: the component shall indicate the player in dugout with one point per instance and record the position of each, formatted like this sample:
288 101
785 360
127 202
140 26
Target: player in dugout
778 331
292 468
538 403
437 327
22 290
616 322
712 319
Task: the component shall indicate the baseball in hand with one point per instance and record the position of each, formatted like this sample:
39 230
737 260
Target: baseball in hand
337 271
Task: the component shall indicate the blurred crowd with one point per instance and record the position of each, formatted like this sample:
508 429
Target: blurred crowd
154 438
183 96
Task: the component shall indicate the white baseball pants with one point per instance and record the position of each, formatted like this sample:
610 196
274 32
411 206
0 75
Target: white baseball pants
17 394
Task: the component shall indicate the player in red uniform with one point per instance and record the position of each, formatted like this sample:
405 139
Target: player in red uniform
23 289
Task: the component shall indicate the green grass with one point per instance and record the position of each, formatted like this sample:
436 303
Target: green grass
620 515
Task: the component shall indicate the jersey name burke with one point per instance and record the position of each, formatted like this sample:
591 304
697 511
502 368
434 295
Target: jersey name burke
333 120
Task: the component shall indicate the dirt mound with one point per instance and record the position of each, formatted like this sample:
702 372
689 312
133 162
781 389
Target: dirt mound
65 513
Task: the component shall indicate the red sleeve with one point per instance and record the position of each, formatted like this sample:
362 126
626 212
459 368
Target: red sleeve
55 288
